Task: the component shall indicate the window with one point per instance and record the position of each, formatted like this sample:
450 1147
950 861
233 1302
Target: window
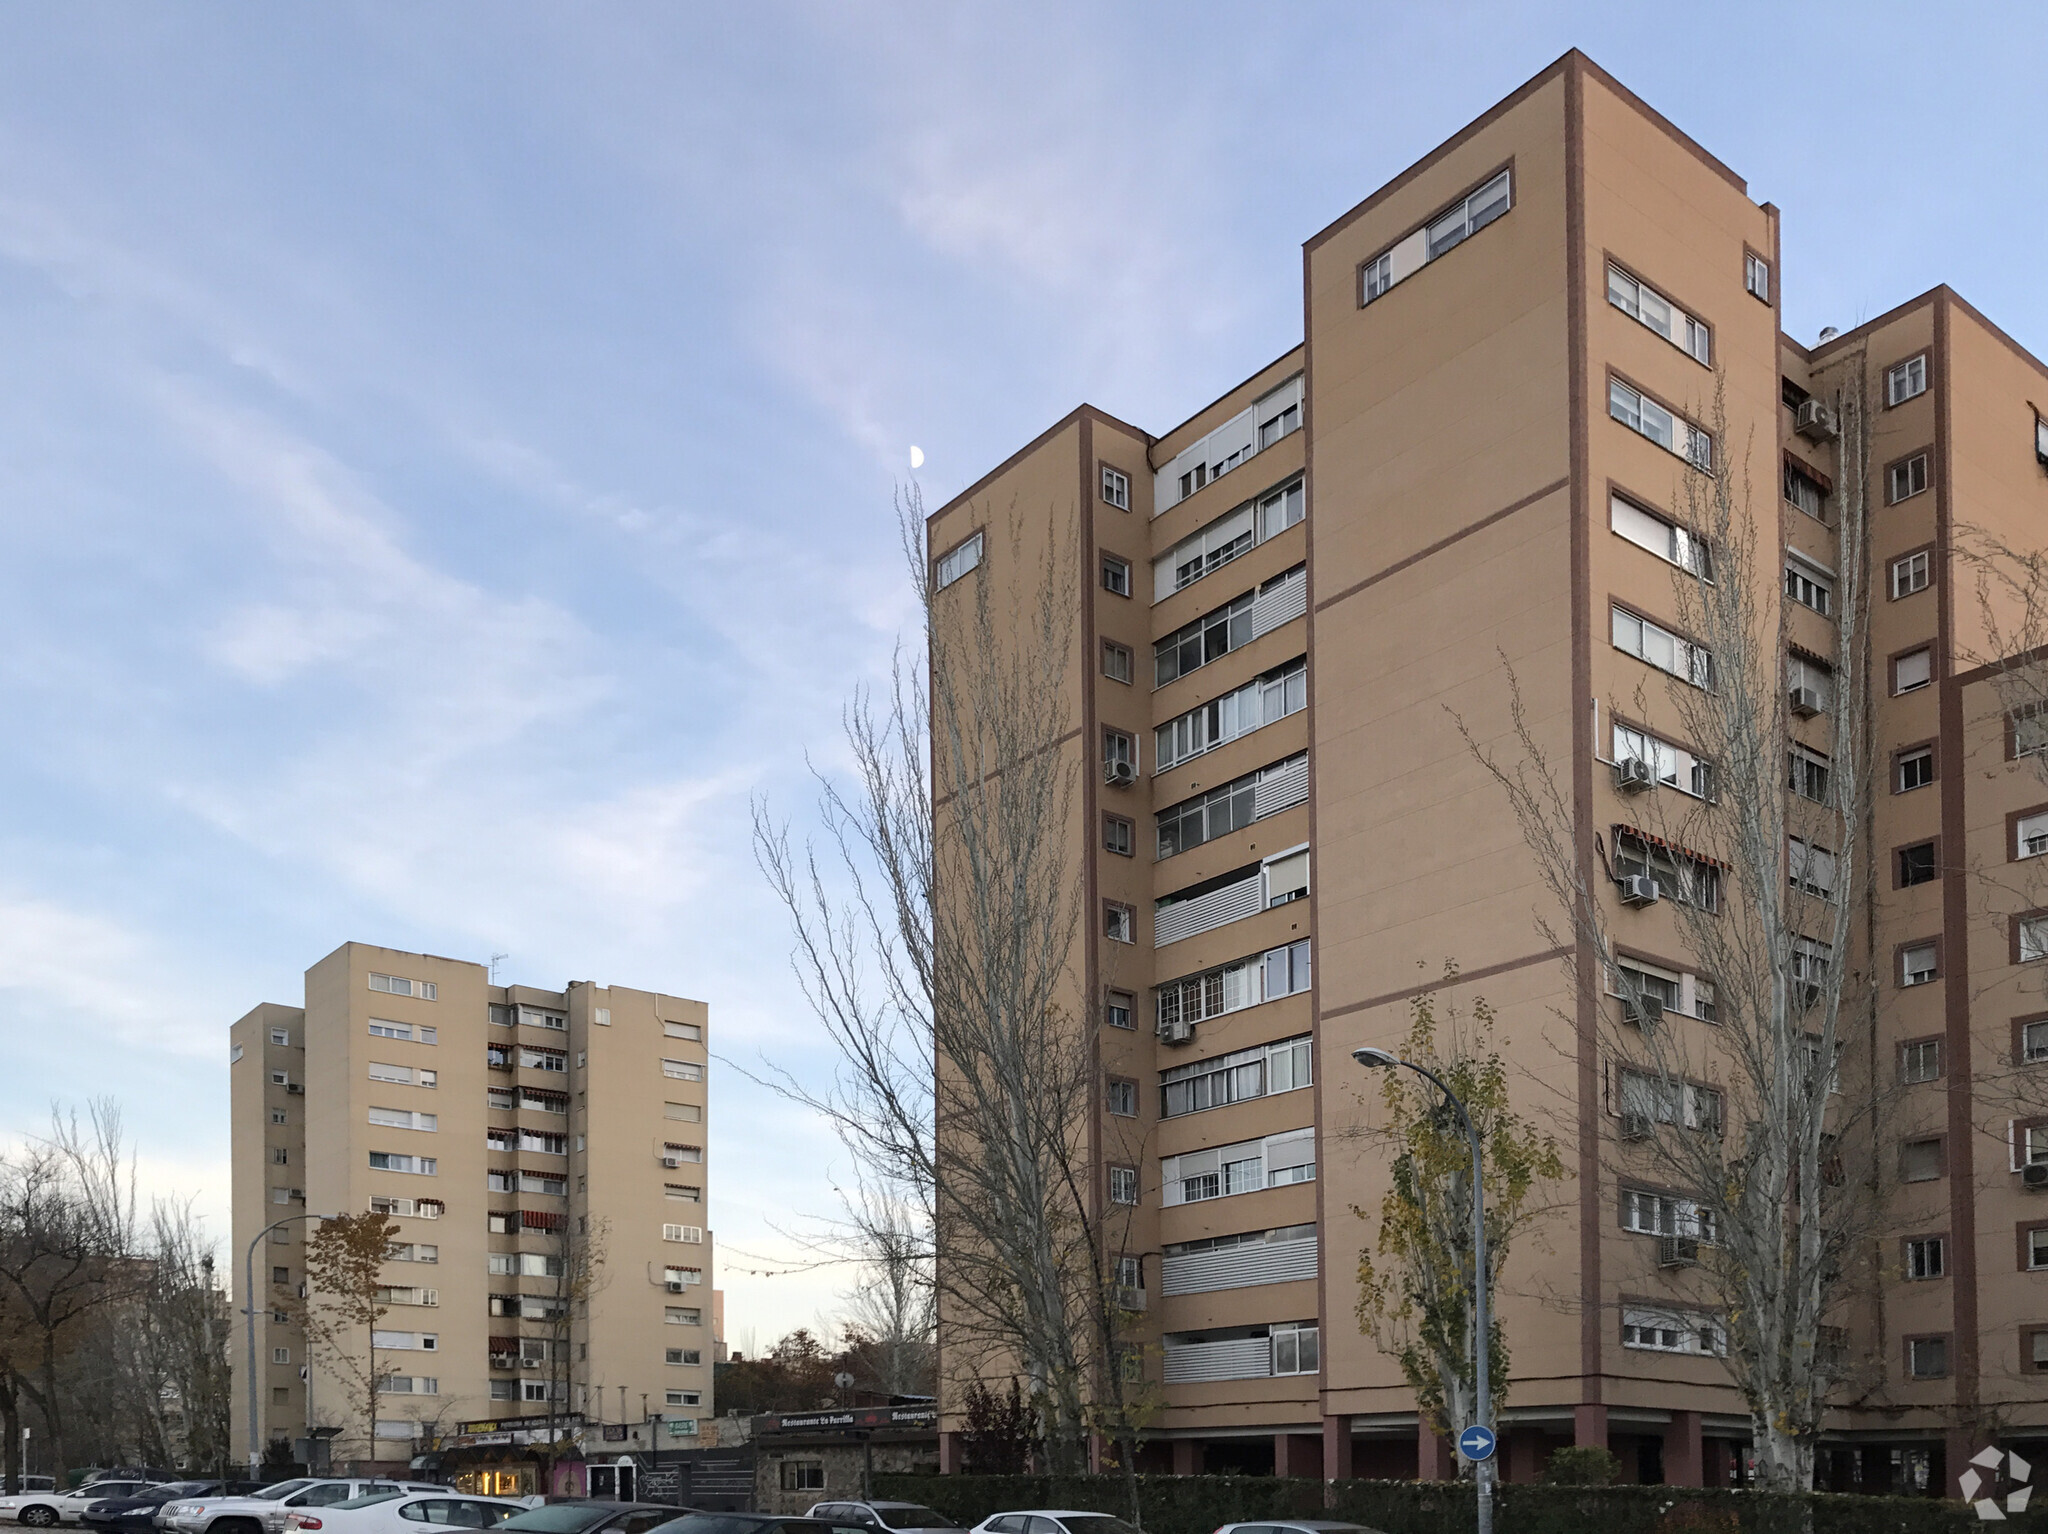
1646 641
1119 835
1130 1272
281 1036
2032 938
1661 536
279 1156
2029 731
395 985
2029 1144
1118 922
1121 1096
601 1016
380 1028
1208 638
957 562
1227 1170
1905 380
691 1234
682 1113
1261 1071
685 1192
279 1116
535 1058
1123 1185
1286 879
404 1118
1116 575
536 1017
1295 1349
1810 868
1469 216
280 1078
1116 488
1671 1331
1672 766
1118 664
803 1475
280 1355
1910 574
1906 478
2036 1252
1233 806
1915 769
1925 1257
1916 864
1664 1214
2034 1343
1756 276
1919 1061
685 1153
1644 416
1641 302
1807 585
387 1161
1927 1357
1809 773
2030 835
1281 509
1267 700
1811 960
683 1397
504 1390
1809 683
413 1251
1638 982
1378 276
1921 1161
682 1315
1804 491
1119 755
1118 1010
1682 875
1918 963
2033 1042
1232 987
682 1070
1911 670
280 1275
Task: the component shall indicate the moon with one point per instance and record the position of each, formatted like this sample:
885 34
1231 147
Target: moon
916 457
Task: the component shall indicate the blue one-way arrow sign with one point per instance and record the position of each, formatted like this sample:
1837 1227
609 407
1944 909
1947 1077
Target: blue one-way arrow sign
1476 1443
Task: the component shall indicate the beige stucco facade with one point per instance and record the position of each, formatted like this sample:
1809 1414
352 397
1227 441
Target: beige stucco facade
1457 458
500 1127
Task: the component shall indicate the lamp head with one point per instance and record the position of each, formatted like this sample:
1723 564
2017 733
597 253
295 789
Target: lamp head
1370 1057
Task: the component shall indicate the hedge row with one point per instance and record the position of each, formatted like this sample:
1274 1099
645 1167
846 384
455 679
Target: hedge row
1198 1504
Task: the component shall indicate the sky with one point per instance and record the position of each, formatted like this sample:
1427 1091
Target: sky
448 453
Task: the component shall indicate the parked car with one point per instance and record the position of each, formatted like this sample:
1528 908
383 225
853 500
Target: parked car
1052 1520
1294 1526
890 1517
404 1512
264 1512
756 1523
138 1512
581 1516
46 1509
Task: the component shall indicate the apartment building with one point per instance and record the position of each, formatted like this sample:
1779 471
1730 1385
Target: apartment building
518 1137
1509 363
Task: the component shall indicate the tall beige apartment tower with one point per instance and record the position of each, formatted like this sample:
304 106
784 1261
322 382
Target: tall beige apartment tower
507 1131
1284 603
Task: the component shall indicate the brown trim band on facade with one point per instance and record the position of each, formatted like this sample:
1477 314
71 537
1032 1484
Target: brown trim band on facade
1074 417
1445 542
940 799
1442 981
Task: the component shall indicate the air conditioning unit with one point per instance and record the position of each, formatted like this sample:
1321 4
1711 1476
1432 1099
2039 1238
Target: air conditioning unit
529 1363
1805 994
1638 889
1646 1012
295 1089
1120 773
2035 1175
675 1286
1678 1252
1635 1126
1632 775
1803 701
671 1162
1815 422
1178 1032
298 1195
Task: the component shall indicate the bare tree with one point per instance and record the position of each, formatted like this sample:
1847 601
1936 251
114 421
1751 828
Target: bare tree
890 1316
576 1269
67 1251
344 1301
935 939
1762 1115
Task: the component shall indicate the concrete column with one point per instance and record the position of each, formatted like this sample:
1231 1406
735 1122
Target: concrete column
1187 1456
1684 1451
1589 1426
1432 1455
1521 1455
1096 1448
1297 1454
1337 1448
949 1454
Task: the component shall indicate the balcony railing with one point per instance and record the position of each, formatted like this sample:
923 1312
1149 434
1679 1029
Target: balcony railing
1238 1267
1243 1358
1205 913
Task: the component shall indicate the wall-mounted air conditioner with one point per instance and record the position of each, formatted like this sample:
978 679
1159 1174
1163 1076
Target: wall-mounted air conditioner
1815 422
1803 701
1632 775
1638 889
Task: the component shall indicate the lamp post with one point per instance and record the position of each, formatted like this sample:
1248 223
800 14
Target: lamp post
1481 1328
249 1312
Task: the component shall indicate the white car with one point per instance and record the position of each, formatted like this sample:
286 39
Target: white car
264 1512
46 1509
1294 1526
405 1512
1052 1520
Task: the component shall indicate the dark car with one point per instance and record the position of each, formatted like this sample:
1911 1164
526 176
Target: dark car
139 1511
888 1517
582 1516
756 1523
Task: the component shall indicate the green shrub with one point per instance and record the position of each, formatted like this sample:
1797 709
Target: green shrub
1576 1466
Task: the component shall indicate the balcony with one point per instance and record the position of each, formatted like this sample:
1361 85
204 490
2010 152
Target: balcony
1231 896
1241 1358
1238 1267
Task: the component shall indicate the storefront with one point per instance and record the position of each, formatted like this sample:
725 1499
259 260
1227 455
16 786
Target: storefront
516 1457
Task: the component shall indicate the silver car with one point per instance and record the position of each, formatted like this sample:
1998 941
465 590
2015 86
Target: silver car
264 1512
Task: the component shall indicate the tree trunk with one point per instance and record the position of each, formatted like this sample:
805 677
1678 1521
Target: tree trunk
53 1411
10 1424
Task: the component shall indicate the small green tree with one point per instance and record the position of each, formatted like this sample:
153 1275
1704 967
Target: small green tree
345 1259
1415 1299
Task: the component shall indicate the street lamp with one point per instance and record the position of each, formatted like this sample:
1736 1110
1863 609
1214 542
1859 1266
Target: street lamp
249 1311
1374 1059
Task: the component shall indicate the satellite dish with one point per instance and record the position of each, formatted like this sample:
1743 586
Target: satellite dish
916 457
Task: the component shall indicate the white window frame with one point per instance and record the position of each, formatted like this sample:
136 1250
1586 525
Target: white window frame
1905 380
1919 964
1912 573
1900 686
1123 1186
1756 276
1657 423
1116 488
1690 663
1443 234
1926 1259
962 559
1673 544
1809 584
1659 315
1909 477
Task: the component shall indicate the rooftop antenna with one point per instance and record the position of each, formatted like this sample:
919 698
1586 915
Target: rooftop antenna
496 959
